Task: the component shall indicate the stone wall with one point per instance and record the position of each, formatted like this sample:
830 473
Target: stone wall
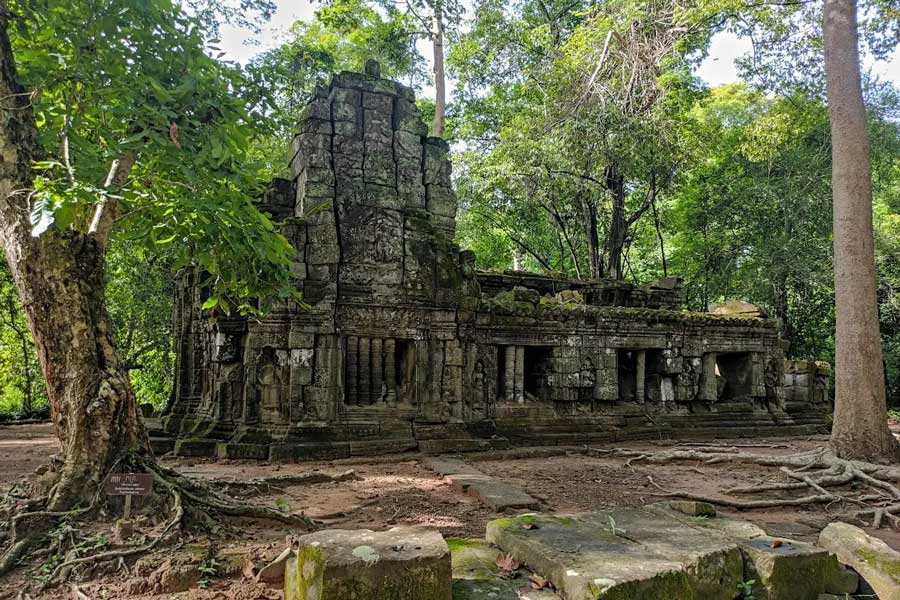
402 344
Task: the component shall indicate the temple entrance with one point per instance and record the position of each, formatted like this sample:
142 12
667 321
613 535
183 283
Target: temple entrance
627 372
734 372
537 369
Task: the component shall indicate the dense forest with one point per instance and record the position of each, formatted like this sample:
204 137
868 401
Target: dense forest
583 144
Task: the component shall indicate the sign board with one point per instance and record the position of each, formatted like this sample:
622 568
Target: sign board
129 484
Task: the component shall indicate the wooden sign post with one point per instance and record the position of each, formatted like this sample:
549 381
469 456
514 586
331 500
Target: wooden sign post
128 485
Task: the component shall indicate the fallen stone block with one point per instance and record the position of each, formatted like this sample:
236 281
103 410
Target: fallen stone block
785 569
782 569
476 575
713 563
495 493
593 557
403 563
840 580
876 562
658 552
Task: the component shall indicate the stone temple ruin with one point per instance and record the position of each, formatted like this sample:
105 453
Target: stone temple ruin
403 344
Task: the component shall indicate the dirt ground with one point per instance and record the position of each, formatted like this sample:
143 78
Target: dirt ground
388 491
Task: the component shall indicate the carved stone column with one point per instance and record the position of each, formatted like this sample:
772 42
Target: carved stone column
352 370
708 388
640 375
509 373
520 374
390 371
377 373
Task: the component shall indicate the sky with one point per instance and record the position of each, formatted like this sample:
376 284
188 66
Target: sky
717 69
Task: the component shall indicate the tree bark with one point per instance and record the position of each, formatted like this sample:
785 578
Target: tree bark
860 428
593 239
618 225
440 79
782 309
60 280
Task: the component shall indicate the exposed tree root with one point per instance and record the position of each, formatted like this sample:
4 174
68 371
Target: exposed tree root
817 473
27 524
267 484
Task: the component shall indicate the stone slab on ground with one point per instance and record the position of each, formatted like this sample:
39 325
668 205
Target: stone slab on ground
656 552
476 575
783 569
876 562
587 561
495 493
403 563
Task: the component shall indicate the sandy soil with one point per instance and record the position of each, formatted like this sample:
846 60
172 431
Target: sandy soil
391 491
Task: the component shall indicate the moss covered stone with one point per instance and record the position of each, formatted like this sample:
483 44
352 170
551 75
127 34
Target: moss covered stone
403 563
874 560
628 554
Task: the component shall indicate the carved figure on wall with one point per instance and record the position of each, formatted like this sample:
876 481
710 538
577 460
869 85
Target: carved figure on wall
478 397
587 379
471 289
230 391
269 375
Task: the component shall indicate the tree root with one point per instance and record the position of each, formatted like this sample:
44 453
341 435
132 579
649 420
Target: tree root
27 525
277 483
816 472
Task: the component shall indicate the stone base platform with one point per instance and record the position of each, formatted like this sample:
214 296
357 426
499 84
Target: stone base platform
501 434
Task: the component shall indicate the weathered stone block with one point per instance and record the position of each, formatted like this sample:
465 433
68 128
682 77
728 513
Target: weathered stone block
785 569
876 562
344 97
441 201
403 563
347 147
409 146
603 565
408 119
321 126
318 108
321 254
301 339
195 447
377 127
381 103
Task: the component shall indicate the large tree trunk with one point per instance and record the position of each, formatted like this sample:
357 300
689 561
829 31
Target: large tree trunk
593 238
618 225
782 308
860 428
60 280
440 79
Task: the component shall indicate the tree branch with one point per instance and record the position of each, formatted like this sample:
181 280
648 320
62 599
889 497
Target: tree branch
108 206
517 241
